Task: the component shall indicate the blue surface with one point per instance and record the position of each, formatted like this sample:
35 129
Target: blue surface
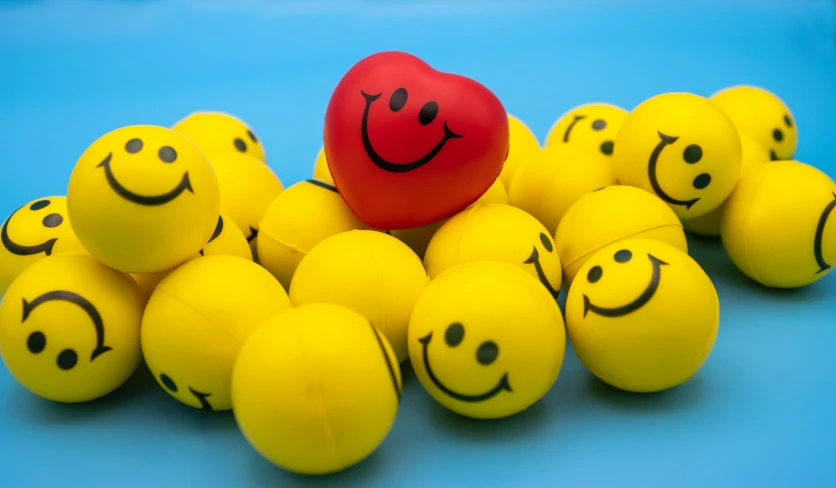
760 413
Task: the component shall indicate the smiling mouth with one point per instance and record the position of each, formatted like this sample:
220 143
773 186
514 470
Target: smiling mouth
651 172
184 185
636 304
201 397
387 165
19 250
535 260
773 155
502 385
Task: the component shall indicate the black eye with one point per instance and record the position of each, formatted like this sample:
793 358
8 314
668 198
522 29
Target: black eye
167 154
398 99
692 154
547 243
788 121
702 181
168 382
36 342
594 274
133 146
428 113
607 147
252 136
454 334
778 135
67 359
240 145
52 220
39 205
623 256
487 352
599 124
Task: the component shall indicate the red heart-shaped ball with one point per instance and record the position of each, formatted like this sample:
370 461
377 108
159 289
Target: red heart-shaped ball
408 145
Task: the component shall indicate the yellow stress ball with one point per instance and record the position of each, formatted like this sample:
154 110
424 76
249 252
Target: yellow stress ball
496 233
763 115
143 199
196 321
754 155
321 170
69 328
642 315
297 220
418 238
522 147
316 389
218 134
779 226
367 271
681 147
548 185
609 215
34 231
593 125
486 340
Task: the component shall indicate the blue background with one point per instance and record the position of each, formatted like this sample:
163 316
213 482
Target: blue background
760 413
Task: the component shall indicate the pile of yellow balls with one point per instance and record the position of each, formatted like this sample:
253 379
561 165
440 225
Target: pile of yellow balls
181 247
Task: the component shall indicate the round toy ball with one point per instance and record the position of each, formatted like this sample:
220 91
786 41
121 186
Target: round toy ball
548 185
321 171
218 134
247 189
316 389
143 199
593 126
197 320
486 340
763 115
367 271
754 155
610 215
297 220
681 147
779 226
34 231
496 233
419 238
522 147
642 315
69 328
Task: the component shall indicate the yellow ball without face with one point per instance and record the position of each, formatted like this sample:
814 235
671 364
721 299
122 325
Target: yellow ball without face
297 220
522 147
143 199
779 226
218 134
763 115
486 340
69 328
496 233
197 320
754 155
247 188
681 147
593 126
366 271
642 315
548 185
316 389
321 170
34 231
609 215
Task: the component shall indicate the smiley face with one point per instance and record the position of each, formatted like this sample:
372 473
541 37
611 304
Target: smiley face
496 232
642 315
219 134
763 116
36 230
682 148
593 126
143 199
466 356
69 328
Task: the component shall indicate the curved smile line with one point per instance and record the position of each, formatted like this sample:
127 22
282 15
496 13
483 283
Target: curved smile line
651 172
15 248
184 185
68 296
201 397
817 242
392 167
636 304
535 260
496 390
578 118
